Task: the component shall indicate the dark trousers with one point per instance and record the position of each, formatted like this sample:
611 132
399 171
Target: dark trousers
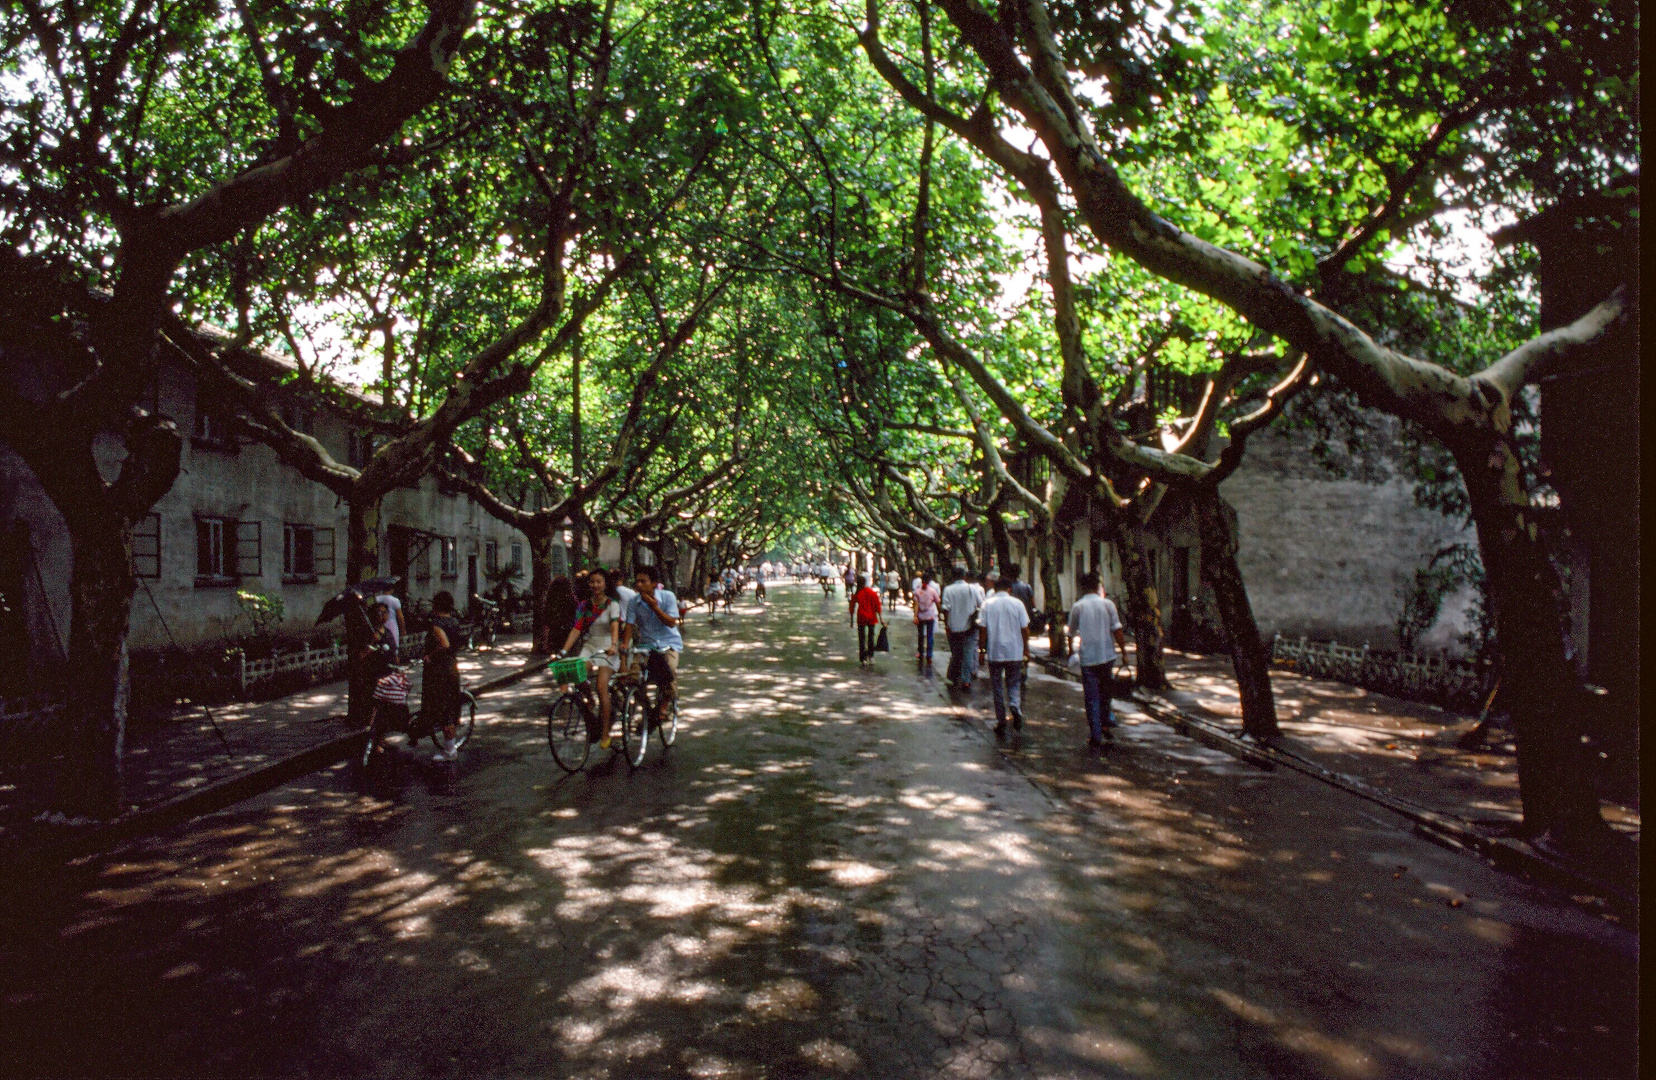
867 635
1095 690
925 632
961 648
1006 683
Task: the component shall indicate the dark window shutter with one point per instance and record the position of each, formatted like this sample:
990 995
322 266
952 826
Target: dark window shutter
146 546
249 552
324 553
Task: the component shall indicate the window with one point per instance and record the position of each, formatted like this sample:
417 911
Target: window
491 556
451 558
299 552
249 553
517 559
146 546
359 448
214 544
227 549
560 561
422 564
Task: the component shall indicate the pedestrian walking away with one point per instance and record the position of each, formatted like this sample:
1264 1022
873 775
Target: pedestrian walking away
1021 590
927 596
440 685
979 595
1004 639
960 603
865 616
1097 625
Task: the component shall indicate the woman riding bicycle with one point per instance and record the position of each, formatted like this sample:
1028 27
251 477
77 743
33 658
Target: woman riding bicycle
600 609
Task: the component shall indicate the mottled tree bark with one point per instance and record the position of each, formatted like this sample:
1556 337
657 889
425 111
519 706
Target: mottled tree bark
540 588
1542 691
361 563
1057 626
1143 606
100 589
1250 658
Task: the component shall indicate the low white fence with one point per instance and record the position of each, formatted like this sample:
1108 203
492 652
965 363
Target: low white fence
1436 677
319 665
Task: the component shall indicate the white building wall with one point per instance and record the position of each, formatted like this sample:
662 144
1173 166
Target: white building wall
244 483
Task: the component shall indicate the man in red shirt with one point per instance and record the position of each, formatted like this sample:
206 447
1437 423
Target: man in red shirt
865 613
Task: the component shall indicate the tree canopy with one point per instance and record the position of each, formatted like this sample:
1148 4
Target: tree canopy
721 272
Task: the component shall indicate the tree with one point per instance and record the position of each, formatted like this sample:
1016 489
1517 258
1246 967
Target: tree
110 193
1025 66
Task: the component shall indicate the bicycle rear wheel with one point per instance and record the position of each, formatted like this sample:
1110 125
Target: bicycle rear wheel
635 731
566 733
668 728
468 722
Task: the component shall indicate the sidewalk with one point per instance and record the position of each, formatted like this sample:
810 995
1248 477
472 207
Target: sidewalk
1402 748
1397 753
168 760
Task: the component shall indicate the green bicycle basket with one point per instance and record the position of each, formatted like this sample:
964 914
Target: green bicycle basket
570 670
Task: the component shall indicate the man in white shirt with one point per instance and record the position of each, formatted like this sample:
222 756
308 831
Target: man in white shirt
961 601
980 594
1095 622
1004 637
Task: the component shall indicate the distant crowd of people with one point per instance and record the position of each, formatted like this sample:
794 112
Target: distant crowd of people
987 622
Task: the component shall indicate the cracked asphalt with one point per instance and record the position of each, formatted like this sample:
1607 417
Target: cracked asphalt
833 873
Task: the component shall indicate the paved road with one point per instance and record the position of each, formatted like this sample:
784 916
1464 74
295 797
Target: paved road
834 872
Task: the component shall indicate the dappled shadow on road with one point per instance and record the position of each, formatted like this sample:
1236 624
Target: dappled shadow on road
831 873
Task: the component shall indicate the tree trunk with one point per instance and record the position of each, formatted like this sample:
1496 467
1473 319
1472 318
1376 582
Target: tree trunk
361 563
1143 605
1002 540
1053 602
1250 658
101 588
624 563
1541 690
540 588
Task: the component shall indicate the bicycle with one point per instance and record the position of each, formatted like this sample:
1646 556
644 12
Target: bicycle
573 714
485 622
635 731
389 718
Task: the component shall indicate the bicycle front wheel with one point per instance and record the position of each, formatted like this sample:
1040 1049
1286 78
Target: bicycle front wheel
566 733
635 732
466 725
370 749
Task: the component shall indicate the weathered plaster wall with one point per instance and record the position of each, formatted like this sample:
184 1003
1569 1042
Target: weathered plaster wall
1329 556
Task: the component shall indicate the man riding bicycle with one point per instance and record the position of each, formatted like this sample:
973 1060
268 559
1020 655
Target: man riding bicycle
654 618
